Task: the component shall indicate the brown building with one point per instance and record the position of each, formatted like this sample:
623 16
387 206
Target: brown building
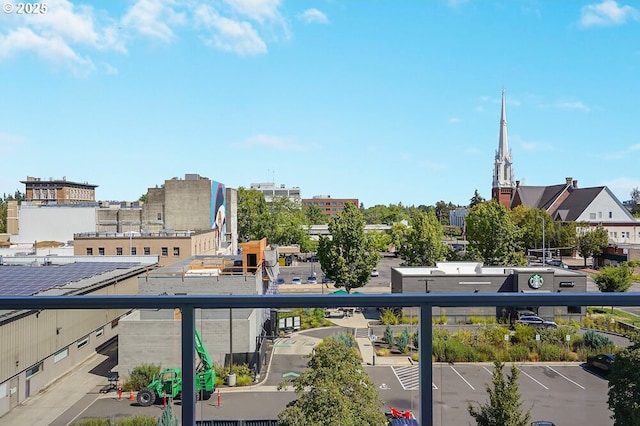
62 191
329 206
170 247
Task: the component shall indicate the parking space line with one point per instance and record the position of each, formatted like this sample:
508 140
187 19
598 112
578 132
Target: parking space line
465 380
566 378
524 372
487 370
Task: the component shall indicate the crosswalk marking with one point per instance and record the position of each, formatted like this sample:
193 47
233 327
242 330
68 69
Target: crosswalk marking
408 376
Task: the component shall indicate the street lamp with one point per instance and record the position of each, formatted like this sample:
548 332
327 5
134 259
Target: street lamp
543 249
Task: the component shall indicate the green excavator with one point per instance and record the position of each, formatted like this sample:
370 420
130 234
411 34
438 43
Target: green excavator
169 383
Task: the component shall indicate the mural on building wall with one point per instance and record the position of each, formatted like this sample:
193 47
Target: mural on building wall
218 214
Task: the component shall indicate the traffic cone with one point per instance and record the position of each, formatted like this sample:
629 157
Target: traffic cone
131 397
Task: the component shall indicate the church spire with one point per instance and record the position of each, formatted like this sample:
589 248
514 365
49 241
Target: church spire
503 147
503 181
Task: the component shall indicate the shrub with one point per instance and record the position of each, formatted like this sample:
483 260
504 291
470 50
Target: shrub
518 353
389 317
388 335
485 352
402 341
494 335
533 357
139 420
383 351
550 352
415 338
140 377
244 380
347 338
415 356
464 336
524 334
595 340
482 320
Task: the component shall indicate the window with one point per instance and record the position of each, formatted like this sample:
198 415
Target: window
133 251
592 216
83 342
574 309
176 251
101 251
165 251
615 234
159 216
89 251
60 355
99 332
147 251
33 370
118 251
610 215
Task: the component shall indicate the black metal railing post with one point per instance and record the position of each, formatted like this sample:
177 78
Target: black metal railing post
188 370
425 350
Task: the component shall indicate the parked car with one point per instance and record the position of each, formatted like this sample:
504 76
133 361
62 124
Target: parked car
542 423
375 273
312 280
603 362
326 280
535 321
557 263
296 280
280 281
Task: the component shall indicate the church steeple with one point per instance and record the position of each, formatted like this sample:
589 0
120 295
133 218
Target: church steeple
503 181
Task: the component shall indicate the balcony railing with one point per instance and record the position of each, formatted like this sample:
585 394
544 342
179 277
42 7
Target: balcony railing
188 305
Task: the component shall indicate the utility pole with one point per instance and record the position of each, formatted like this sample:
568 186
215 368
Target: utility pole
543 246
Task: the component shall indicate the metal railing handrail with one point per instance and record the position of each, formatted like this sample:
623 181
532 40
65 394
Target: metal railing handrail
425 301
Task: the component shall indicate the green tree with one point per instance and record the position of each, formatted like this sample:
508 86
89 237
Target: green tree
624 386
315 216
635 202
504 407
492 236
285 224
348 256
442 210
168 417
591 241
393 213
143 198
421 244
381 239
529 221
476 199
253 216
333 390
614 278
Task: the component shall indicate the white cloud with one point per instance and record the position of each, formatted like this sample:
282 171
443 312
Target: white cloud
8 142
454 120
55 50
607 13
567 105
273 142
229 35
314 16
154 18
257 10
619 155
622 186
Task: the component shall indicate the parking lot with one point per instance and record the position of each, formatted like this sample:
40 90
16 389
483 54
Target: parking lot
565 393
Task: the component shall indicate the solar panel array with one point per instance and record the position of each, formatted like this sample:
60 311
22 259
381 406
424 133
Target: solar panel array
30 280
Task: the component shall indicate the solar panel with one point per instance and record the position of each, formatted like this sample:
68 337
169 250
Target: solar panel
22 280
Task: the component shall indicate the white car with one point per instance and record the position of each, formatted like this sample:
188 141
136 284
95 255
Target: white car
312 280
296 280
375 273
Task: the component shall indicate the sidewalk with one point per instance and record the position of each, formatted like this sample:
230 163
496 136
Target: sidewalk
358 321
78 388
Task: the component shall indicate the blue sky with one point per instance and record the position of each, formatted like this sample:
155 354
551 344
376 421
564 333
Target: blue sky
385 101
